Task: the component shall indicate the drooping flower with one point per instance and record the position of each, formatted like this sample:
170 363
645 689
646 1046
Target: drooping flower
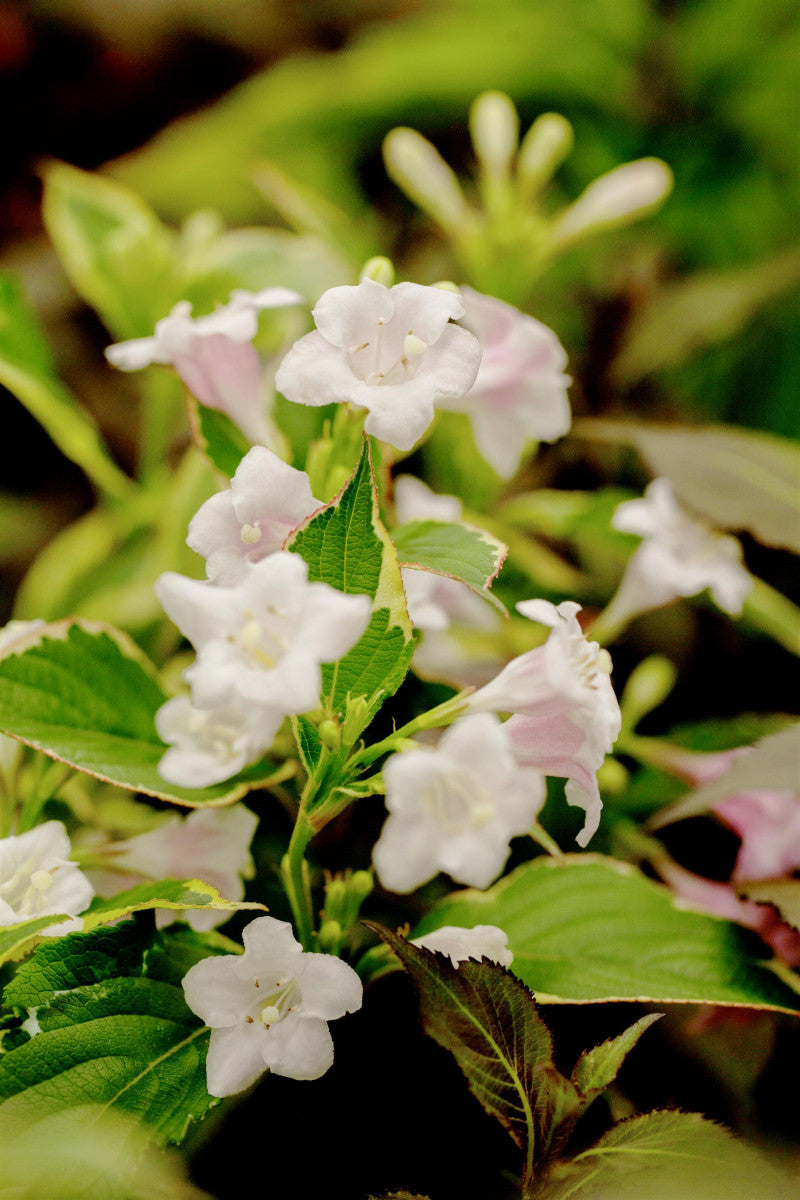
210 745
392 351
213 355
768 823
520 394
37 878
482 941
262 641
455 808
212 844
267 499
268 1008
567 716
680 555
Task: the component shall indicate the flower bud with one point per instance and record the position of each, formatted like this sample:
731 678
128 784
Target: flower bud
336 894
544 147
616 198
329 734
417 167
330 937
355 717
494 129
361 885
648 686
380 269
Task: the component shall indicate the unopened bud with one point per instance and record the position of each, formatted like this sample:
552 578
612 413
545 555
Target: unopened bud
447 285
379 269
329 734
330 937
494 129
648 685
612 776
356 714
620 196
361 885
544 147
418 168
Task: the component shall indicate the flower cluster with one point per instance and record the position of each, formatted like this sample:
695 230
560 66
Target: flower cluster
37 878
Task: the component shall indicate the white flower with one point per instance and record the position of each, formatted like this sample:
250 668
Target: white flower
212 844
415 501
267 499
262 641
210 745
37 878
455 808
392 351
679 556
213 355
520 394
268 1008
482 941
568 716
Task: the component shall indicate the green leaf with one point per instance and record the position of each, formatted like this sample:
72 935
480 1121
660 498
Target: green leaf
589 929
458 551
26 369
783 893
597 1068
114 248
167 893
737 478
218 437
85 695
110 1026
770 766
490 1024
667 1156
346 546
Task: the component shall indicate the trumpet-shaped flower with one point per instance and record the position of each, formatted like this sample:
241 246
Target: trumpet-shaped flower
392 351
267 499
37 878
213 355
210 745
212 844
268 1008
262 641
566 713
520 394
455 808
482 941
768 823
679 556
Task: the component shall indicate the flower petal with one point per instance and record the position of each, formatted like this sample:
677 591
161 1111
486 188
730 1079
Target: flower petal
298 1047
235 1058
329 987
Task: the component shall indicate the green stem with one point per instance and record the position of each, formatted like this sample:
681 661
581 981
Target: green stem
47 780
295 877
435 718
543 839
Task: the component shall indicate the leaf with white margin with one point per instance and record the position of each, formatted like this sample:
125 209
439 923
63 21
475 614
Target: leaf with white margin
346 546
783 893
110 1026
771 766
84 694
455 550
667 1155
167 893
736 478
588 929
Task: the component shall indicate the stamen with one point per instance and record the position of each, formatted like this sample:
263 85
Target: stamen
251 634
42 880
250 534
413 345
270 1013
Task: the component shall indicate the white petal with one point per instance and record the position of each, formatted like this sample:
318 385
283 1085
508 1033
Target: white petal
314 372
414 501
235 1059
201 611
346 316
270 945
482 941
406 854
425 310
217 991
298 1047
398 413
329 987
135 354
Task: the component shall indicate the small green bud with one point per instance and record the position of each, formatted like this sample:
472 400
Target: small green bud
544 147
494 129
418 168
379 269
648 686
612 776
330 937
355 717
329 734
447 285
361 884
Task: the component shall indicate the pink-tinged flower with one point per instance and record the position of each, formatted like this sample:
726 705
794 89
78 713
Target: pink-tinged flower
37 878
261 642
482 941
252 518
212 844
213 355
455 808
520 394
392 351
721 900
268 1008
567 716
769 825
679 556
210 745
